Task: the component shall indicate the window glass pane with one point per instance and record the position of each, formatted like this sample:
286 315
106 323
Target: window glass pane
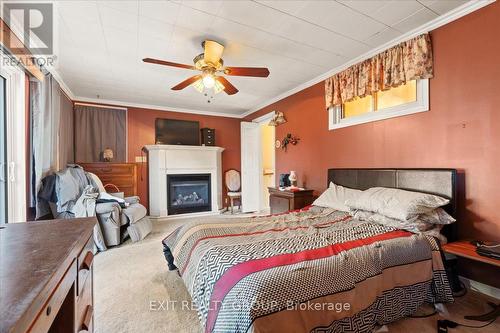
358 106
397 96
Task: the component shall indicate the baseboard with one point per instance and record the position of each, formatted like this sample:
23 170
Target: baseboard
481 287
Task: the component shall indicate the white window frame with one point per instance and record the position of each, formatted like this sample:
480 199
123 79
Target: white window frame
16 140
420 105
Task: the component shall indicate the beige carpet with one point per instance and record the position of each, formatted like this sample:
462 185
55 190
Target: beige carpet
129 277
132 288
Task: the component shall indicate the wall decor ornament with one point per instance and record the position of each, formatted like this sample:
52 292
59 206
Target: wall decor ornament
107 155
278 119
289 139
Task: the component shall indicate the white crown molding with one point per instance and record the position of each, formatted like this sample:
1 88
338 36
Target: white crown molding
452 15
64 87
153 107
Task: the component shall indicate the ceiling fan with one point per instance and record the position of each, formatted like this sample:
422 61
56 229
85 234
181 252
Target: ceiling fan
211 66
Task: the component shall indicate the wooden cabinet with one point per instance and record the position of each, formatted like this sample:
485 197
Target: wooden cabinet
208 136
47 276
284 201
123 175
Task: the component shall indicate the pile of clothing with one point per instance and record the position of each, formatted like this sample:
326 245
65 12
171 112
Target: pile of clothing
73 193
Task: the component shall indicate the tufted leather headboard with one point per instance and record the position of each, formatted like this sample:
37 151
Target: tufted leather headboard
440 182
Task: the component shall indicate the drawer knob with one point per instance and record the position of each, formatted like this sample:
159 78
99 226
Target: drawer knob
49 310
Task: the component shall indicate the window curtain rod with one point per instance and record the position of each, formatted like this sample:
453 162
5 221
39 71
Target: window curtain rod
101 106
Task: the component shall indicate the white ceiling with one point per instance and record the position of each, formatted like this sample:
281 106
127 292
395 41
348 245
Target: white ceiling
102 43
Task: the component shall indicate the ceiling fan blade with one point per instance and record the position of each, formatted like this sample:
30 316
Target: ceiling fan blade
167 63
187 82
247 71
213 51
228 87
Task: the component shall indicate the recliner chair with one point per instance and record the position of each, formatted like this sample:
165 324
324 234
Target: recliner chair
117 222
72 192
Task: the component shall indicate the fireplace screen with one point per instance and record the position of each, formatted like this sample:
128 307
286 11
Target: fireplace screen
188 193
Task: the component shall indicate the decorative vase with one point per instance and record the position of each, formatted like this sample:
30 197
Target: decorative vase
293 178
108 155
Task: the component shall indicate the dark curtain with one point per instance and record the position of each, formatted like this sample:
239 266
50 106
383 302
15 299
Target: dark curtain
66 133
96 129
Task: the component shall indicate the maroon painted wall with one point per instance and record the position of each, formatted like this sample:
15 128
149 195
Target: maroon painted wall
141 132
461 129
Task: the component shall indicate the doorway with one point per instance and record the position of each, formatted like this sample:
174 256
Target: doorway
12 143
257 163
3 154
267 137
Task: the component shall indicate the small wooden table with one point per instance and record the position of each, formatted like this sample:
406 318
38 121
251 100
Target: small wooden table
467 250
281 201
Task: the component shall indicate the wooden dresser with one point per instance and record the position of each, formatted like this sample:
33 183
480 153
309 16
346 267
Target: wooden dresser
123 175
284 201
47 276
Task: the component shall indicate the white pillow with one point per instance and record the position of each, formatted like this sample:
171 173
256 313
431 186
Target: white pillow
395 203
336 196
437 216
413 225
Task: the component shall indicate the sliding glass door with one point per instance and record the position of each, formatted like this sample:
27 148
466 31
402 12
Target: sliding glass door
3 153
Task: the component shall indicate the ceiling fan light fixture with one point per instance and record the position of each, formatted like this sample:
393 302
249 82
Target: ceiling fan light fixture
208 80
198 85
218 87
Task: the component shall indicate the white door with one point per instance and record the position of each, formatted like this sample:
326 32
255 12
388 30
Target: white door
13 127
250 167
3 154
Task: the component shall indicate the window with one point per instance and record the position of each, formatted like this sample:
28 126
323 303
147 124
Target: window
410 98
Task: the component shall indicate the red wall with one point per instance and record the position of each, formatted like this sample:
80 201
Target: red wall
461 129
141 131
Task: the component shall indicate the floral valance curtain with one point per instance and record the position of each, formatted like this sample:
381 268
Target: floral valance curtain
404 62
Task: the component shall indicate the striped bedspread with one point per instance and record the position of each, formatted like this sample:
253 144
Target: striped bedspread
314 270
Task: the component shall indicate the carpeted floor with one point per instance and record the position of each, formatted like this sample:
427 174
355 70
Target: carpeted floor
134 292
133 286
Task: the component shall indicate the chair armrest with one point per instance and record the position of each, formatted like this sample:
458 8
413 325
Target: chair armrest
107 207
132 200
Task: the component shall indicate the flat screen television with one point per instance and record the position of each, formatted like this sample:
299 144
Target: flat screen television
177 132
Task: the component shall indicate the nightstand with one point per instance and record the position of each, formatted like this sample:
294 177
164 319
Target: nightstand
287 200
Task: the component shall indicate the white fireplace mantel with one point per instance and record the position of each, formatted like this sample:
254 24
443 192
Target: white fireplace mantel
173 159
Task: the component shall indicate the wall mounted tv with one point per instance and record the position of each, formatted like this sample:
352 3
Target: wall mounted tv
177 132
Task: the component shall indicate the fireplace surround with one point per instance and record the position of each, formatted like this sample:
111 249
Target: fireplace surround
165 161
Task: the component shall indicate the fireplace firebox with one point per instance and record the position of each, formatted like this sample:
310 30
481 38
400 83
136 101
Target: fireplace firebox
188 193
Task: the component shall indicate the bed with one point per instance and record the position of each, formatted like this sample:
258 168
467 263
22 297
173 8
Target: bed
315 269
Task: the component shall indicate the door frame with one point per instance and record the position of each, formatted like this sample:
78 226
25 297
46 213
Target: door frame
15 105
250 171
266 118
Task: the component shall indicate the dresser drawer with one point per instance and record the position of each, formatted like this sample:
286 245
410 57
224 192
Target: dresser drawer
84 307
123 175
51 308
279 204
118 181
85 261
114 169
